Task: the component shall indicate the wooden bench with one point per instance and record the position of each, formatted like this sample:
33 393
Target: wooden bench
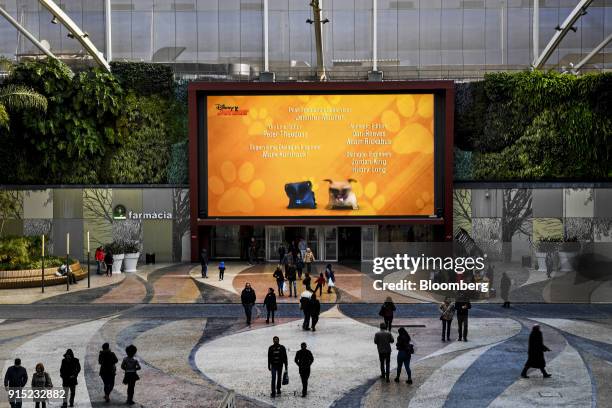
31 278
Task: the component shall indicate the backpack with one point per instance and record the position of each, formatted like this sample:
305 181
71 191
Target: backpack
300 195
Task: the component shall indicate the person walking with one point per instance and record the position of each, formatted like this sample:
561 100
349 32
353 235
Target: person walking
309 258
305 308
108 260
280 280
331 278
16 377
302 245
405 350
291 277
536 352
447 312
383 340
549 264
320 283
304 359
277 358
69 372
221 270
281 252
504 287
108 369
248 299
306 282
463 306
99 256
299 265
386 312
252 251
130 366
41 381
287 259
315 311
270 303
204 263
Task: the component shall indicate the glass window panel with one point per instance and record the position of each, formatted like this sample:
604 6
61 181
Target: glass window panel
343 35
387 33
408 37
301 39
186 36
164 39
208 36
430 35
495 27
451 37
473 36
278 38
519 39
363 33
252 33
142 35
122 34
229 31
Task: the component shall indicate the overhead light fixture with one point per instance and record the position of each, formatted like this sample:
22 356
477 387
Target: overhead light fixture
54 21
69 35
85 34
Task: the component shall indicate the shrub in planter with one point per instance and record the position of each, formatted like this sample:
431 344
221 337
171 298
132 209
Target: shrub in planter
132 253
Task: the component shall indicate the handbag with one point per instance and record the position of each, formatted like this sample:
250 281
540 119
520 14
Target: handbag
285 287
285 378
300 195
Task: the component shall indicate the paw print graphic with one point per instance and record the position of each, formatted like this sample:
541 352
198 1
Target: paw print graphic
257 120
424 201
368 196
236 187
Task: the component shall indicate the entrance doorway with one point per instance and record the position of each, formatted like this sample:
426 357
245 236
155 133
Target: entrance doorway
349 244
294 234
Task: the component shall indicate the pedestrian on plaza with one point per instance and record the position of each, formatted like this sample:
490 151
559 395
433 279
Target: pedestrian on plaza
383 340
248 298
536 352
99 256
549 264
405 350
108 260
69 372
66 270
309 258
330 277
315 310
130 366
280 280
108 369
281 252
386 312
320 283
302 245
305 308
304 359
221 270
505 285
270 303
41 382
204 263
291 277
447 312
286 261
252 251
16 377
299 265
462 306
277 358
306 282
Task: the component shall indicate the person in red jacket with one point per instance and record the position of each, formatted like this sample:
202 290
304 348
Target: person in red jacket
320 283
99 259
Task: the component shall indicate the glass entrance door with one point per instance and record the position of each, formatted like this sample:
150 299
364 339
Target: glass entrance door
274 237
330 245
368 243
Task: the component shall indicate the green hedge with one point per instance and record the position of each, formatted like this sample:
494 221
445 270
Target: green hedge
144 78
536 126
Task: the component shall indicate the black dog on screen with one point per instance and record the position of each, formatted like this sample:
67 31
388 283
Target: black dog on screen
300 195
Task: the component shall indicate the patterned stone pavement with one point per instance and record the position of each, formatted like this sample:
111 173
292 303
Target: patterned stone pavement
194 345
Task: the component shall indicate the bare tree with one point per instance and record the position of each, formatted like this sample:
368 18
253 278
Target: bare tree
98 203
516 210
462 209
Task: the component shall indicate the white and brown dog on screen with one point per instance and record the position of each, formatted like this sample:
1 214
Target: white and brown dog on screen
341 195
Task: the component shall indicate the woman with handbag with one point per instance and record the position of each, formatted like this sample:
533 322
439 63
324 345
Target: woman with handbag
404 354
447 312
130 365
41 381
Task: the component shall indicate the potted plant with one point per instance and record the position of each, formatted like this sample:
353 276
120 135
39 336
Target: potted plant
568 251
132 253
543 247
116 248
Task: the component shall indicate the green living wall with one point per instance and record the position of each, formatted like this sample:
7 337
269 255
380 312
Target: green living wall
534 126
124 127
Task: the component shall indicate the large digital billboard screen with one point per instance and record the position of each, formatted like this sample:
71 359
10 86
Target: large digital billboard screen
320 155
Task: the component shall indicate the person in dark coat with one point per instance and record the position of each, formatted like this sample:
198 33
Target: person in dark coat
383 340
204 262
535 353
270 303
462 306
549 264
41 381
304 359
16 377
504 288
69 372
305 308
280 280
130 366
291 277
306 282
108 369
248 299
315 310
386 312
108 260
281 252
404 354
277 358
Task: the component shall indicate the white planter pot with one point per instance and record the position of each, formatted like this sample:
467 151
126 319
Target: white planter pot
566 260
541 257
130 261
117 262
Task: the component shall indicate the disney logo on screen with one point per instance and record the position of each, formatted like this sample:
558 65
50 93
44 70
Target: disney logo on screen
230 110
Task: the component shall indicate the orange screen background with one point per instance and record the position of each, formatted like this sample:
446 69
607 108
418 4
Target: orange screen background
241 182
